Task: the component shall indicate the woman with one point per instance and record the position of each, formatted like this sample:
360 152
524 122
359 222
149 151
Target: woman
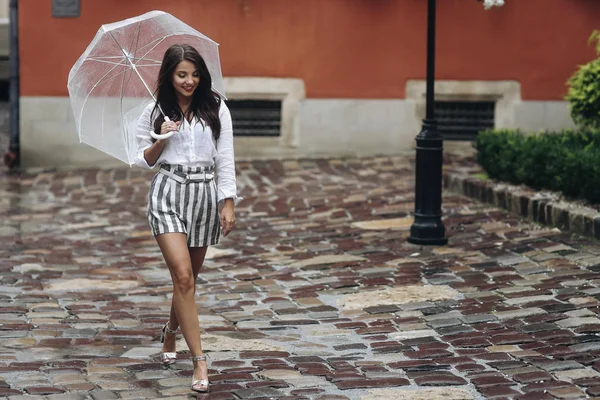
183 200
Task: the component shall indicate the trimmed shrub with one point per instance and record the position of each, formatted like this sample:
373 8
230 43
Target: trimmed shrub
568 161
584 91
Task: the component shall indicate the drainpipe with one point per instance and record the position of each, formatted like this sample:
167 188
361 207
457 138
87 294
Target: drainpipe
12 159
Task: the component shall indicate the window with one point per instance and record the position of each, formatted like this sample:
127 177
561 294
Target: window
462 120
255 117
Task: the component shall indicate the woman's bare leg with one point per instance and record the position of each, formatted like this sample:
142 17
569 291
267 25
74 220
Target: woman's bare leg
176 254
197 255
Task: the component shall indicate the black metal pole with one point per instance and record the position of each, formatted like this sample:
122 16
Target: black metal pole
12 159
428 228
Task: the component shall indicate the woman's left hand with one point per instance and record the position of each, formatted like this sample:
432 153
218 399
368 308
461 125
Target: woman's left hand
227 217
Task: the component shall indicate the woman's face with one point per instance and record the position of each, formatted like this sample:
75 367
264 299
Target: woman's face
185 78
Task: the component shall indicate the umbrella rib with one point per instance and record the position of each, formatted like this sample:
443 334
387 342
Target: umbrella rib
135 38
123 131
104 57
151 43
147 59
158 41
104 61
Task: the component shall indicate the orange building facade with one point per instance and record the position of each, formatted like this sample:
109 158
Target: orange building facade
350 73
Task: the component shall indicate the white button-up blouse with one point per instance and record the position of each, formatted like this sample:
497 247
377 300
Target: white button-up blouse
194 146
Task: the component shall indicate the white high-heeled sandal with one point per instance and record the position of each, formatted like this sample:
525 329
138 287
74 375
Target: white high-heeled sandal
168 358
200 385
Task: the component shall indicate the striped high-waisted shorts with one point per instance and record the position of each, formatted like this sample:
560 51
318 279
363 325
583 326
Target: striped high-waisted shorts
184 199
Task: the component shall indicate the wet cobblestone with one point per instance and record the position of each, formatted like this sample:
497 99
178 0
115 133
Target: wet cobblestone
316 295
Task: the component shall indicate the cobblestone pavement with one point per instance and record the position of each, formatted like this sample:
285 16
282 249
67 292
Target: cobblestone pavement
317 295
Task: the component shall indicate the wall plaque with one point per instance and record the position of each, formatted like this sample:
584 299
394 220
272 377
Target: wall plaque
66 8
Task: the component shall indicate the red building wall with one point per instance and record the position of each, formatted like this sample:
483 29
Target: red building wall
341 48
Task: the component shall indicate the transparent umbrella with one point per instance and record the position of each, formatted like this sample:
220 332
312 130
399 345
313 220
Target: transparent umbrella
114 80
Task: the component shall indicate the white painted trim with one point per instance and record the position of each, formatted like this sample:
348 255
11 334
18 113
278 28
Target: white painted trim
291 93
506 94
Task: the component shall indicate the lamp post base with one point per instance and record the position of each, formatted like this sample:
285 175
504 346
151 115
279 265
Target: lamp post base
428 230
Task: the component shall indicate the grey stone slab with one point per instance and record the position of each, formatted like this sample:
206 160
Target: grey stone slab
528 299
266 392
454 330
324 315
139 394
477 318
443 279
378 270
575 322
519 313
412 327
586 347
79 333
544 257
531 270
480 294
153 374
557 365
67 396
416 306
10 290
140 352
26 397
447 315
383 375
13 334
508 261
143 299
577 256
584 312
440 323
557 248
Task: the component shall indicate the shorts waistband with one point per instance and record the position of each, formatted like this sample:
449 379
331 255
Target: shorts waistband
186 175
186 170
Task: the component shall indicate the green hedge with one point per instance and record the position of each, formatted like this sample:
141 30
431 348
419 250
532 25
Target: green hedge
567 161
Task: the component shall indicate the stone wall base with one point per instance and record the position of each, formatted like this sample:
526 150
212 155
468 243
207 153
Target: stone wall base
544 208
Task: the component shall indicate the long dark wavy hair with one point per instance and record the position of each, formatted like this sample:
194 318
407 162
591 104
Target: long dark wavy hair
205 102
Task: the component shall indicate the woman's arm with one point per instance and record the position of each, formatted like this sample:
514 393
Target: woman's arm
148 150
152 153
225 163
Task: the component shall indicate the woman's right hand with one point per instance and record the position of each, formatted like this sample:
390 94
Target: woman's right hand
169 126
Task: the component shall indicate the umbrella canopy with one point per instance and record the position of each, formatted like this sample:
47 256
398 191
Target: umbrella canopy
114 79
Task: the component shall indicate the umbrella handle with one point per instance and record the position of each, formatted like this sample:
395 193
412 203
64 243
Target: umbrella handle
166 135
162 137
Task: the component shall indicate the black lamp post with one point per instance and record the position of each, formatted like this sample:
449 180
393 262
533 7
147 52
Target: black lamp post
428 228
12 158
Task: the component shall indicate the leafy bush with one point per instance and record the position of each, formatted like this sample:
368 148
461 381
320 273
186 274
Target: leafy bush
584 91
568 161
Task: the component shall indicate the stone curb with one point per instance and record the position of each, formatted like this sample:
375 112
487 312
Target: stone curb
527 203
